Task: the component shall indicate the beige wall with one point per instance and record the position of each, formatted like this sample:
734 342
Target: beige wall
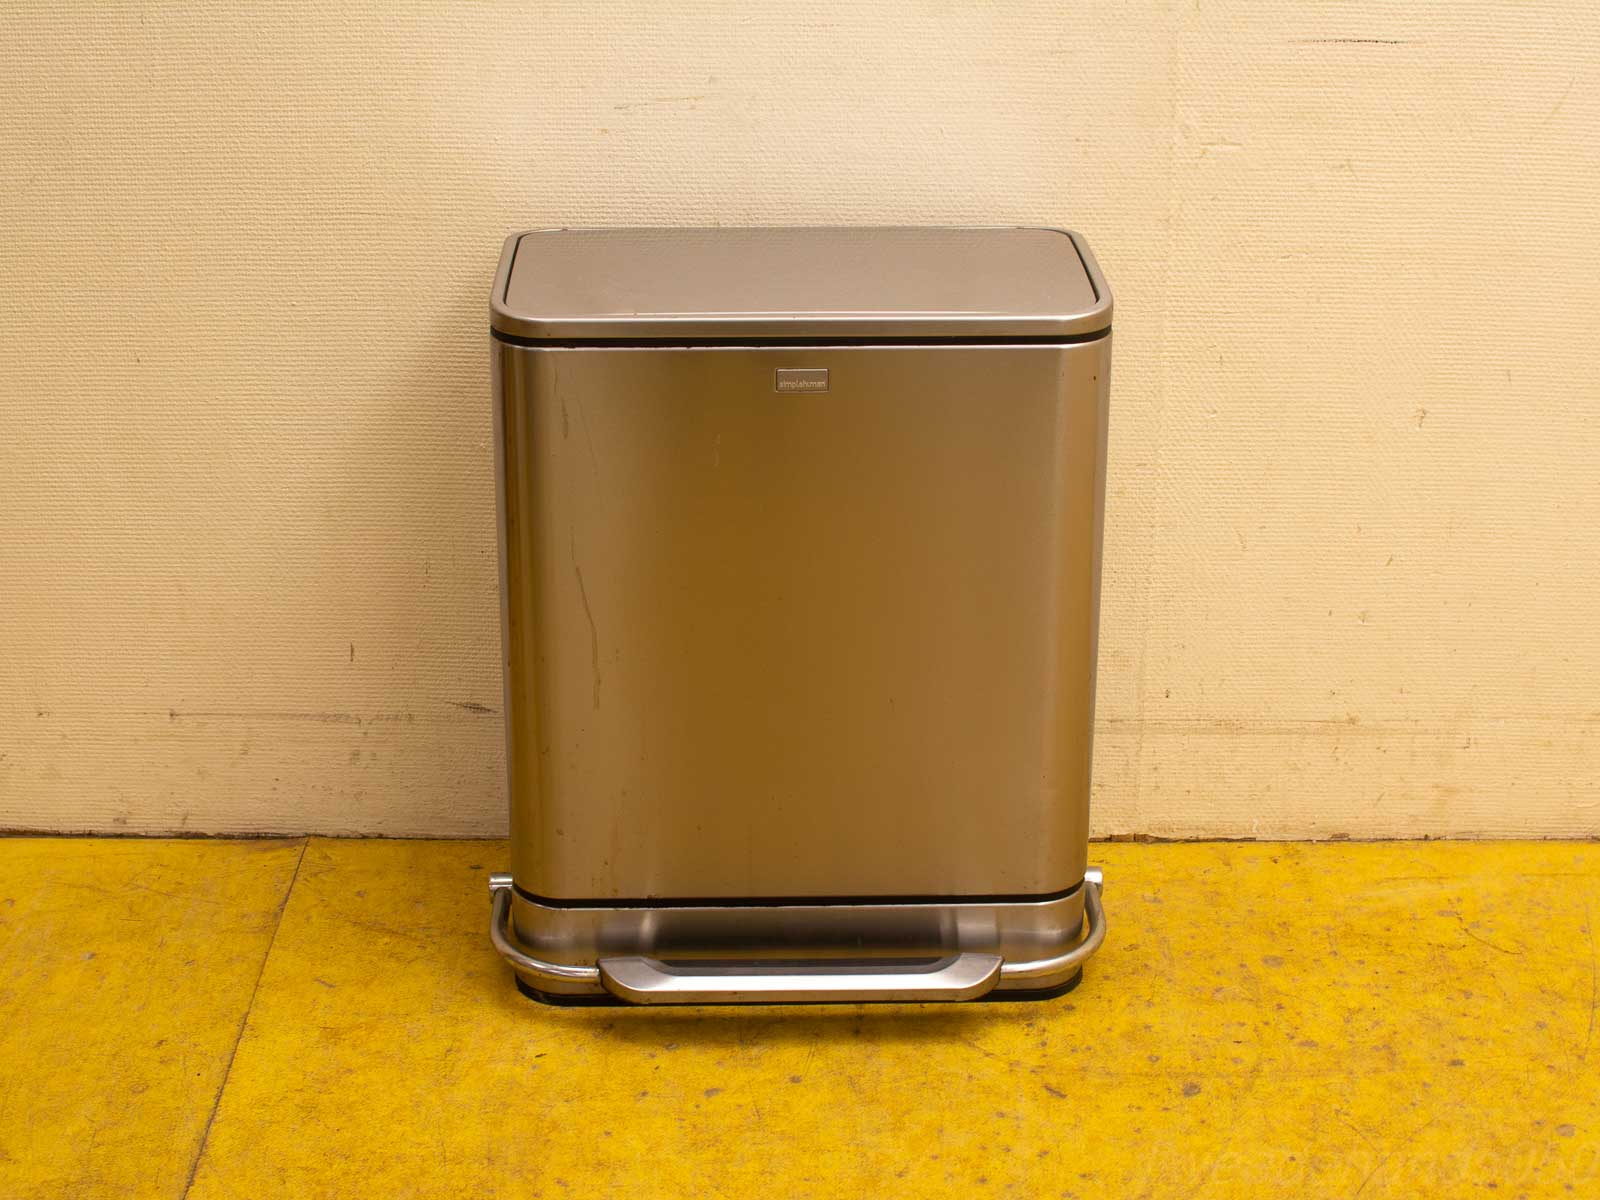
247 570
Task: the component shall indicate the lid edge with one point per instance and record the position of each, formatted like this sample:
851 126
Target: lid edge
692 327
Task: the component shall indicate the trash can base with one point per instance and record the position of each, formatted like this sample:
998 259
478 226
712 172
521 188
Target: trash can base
607 1000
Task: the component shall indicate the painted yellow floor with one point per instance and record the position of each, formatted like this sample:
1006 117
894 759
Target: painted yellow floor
325 1018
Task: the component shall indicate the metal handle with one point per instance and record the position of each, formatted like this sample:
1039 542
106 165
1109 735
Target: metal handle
647 981
1094 912
499 917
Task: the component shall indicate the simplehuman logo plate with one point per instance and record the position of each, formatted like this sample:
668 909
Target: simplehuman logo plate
800 379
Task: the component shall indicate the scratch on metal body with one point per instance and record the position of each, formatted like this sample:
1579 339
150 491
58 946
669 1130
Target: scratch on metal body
588 612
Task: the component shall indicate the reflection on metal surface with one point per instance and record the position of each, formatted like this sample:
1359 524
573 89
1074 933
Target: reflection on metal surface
647 981
766 645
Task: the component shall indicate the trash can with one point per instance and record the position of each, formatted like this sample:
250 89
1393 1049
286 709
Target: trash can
800 564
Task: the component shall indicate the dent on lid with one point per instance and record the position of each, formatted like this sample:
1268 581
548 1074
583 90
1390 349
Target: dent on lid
576 284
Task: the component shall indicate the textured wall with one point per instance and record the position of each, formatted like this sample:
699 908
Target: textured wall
247 571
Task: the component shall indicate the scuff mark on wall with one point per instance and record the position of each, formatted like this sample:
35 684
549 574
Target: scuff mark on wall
1351 41
320 718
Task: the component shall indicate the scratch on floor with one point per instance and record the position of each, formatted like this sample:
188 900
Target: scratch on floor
244 1020
1384 1161
1478 937
1594 981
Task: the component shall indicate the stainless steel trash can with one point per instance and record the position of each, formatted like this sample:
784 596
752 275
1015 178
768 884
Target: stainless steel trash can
800 564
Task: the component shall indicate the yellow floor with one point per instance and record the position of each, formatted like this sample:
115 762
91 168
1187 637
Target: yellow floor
326 1018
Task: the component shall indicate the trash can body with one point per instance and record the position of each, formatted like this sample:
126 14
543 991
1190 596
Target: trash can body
800 551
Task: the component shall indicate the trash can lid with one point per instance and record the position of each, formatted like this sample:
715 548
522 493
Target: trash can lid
852 284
